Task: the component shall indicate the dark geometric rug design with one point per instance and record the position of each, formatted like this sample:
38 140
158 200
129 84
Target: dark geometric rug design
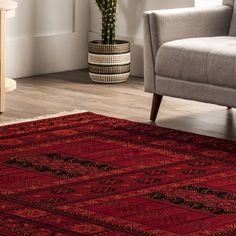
87 174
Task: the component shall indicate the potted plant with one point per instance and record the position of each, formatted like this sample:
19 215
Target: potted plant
109 59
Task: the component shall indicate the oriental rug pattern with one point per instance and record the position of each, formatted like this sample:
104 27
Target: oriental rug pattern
87 174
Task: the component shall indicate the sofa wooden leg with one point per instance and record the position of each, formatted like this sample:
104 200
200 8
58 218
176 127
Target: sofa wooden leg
156 102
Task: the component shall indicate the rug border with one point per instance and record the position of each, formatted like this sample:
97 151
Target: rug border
64 113
42 117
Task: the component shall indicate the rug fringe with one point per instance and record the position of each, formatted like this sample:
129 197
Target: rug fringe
42 117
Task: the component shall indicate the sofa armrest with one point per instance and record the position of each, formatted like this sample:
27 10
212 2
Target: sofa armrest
167 25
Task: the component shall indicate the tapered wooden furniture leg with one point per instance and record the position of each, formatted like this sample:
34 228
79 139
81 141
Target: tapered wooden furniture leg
156 102
2 61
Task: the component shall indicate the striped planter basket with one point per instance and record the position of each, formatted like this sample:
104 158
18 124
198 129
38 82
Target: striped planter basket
109 63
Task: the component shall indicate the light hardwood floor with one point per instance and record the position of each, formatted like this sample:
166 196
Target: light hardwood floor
48 94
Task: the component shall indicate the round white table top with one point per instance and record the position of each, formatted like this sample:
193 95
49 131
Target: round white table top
7 5
10 85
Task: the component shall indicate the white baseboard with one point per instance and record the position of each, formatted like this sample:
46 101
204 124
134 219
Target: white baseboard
136 52
42 55
47 54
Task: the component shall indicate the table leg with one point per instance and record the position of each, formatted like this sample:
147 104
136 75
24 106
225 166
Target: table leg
2 61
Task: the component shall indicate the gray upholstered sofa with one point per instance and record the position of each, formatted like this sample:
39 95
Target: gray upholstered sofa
190 53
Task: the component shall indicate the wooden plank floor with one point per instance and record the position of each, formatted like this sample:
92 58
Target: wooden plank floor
47 94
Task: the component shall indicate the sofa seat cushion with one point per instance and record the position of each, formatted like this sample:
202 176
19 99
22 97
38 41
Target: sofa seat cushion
203 60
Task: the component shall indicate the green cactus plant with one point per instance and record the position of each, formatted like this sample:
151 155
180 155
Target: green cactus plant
108 10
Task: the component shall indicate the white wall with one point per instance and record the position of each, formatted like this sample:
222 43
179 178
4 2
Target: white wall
129 25
47 36
201 3
41 17
51 35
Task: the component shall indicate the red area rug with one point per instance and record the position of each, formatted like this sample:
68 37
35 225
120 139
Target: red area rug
87 174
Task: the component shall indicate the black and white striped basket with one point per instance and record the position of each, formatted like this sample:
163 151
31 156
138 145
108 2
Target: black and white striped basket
109 63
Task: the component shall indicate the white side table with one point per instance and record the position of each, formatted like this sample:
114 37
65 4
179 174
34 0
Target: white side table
7 9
